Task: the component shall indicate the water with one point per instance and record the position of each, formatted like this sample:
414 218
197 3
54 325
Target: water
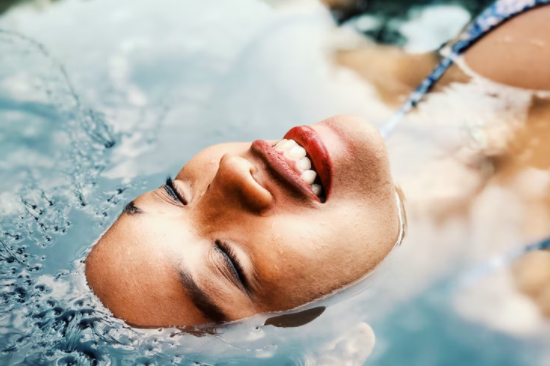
100 100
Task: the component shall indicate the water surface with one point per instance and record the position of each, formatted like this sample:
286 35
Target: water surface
100 100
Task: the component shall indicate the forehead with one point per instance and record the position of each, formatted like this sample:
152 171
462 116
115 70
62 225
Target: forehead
129 274
135 243
159 228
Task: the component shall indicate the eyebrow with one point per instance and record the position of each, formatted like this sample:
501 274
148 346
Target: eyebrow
132 209
200 299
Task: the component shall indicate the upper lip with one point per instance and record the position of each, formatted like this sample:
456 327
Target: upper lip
310 140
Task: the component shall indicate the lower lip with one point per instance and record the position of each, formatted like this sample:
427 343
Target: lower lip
278 166
308 138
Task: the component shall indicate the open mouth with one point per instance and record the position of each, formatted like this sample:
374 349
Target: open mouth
300 159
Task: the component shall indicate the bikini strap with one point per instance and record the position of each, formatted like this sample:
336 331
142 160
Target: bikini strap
476 273
491 18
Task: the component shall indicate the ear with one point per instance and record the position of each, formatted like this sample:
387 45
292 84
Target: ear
295 319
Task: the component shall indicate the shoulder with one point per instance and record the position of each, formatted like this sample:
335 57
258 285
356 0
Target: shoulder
517 53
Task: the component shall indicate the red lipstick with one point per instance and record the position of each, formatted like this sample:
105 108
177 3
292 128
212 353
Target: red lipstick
308 138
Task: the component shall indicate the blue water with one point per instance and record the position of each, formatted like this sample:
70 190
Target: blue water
100 100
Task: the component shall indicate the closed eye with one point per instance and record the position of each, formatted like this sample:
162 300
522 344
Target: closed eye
233 263
173 192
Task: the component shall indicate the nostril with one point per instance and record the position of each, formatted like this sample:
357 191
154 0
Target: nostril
238 178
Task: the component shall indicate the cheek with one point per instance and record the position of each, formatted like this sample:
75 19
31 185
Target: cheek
363 179
307 238
356 237
298 245
279 245
361 165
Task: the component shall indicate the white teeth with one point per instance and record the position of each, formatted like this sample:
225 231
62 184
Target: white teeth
293 150
285 145
303 164
317 189
292 143
309 176
297 152
282 145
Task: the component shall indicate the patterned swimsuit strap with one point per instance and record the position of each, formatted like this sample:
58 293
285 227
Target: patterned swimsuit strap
491 18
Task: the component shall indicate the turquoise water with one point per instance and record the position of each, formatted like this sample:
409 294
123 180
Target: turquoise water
100 100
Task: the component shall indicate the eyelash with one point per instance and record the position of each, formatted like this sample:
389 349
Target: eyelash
232 261
173 192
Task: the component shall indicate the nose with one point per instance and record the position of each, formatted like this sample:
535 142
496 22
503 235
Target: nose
235 182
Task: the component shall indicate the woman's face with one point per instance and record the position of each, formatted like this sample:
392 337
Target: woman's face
241 231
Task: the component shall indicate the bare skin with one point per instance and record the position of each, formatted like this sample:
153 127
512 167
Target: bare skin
516 54
161 264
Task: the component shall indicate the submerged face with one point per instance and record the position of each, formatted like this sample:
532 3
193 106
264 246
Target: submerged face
239 231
